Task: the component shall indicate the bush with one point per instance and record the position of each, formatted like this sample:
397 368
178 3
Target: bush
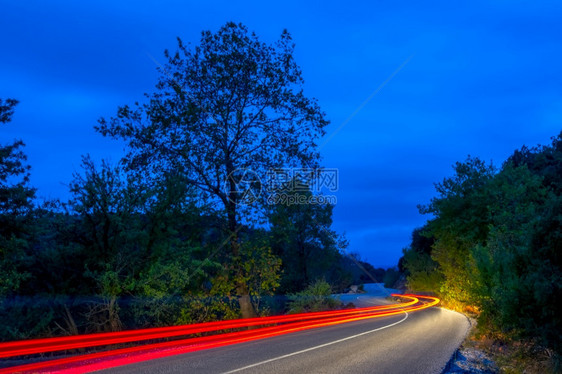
391 277
315 298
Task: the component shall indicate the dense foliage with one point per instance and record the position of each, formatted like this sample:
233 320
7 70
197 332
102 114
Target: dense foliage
156 239
128 252
315 298
229 105
494 243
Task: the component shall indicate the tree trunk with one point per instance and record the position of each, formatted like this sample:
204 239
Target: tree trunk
246 307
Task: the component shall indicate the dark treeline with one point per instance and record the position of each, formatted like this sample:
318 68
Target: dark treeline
163 236
129 251
494 244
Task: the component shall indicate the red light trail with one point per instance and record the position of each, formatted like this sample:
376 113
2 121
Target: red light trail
273 326
25 347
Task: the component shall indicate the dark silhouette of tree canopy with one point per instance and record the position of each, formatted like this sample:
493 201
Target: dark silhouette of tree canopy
16 202
15 195
493 244
230 103
303 238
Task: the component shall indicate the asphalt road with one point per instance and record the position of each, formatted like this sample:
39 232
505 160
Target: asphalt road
420 342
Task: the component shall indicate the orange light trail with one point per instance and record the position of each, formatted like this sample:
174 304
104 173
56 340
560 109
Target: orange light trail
117 357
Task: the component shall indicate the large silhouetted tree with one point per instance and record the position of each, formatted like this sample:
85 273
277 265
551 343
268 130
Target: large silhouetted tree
230 103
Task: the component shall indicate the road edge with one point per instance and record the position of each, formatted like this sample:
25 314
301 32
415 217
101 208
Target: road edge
454 357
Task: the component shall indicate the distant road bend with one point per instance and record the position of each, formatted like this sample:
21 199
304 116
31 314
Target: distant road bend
407 337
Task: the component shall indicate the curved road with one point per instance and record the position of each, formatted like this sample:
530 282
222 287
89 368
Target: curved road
419 342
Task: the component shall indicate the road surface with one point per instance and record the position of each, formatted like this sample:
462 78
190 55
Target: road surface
419 342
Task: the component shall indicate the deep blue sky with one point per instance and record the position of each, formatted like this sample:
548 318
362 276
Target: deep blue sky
484 79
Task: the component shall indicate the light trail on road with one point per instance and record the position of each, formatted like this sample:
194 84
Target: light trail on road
273 326
26 347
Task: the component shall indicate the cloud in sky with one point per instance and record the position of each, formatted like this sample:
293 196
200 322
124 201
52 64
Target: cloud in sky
484 79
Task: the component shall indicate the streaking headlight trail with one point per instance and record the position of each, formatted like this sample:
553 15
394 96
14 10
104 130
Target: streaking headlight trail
217 334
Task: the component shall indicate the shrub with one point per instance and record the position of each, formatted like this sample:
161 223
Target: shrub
315 298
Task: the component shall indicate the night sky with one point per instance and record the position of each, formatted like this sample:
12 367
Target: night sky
480 79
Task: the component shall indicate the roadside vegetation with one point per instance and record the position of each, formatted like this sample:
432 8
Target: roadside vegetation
315 298
492 248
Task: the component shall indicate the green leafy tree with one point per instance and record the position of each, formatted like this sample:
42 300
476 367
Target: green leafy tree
497 281
140 243
16 205
461 222
233 102
544 276
497 244
303 238
539 266
110 235
545 161
422 271
518 271
261 270
20 317
391 276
